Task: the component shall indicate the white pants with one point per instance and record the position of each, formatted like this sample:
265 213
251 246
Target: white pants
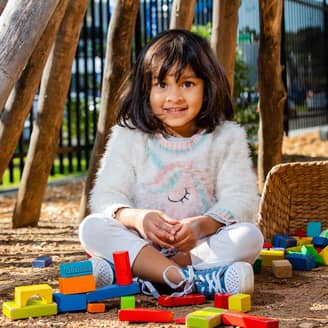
102 236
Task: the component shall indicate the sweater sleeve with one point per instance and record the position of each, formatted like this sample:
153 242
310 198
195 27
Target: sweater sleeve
115 178
236 189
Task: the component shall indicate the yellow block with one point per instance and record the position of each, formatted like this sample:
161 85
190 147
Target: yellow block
239 302
269 255
35 309
324 255
24 293
303 241
205 318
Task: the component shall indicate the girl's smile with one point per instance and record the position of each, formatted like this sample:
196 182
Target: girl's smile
177 102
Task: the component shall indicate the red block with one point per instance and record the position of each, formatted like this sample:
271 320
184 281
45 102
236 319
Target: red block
244 320
123 273
145 315
181 300
180 321
221 300
267 245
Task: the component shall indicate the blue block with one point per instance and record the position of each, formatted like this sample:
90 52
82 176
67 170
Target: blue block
298 261
320 242
283 241
112 291
313 229
70 303
42 261
75 269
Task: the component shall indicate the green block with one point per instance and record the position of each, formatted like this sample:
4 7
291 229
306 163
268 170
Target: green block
307 249
324 233
128 302
36 308
257 266
206 318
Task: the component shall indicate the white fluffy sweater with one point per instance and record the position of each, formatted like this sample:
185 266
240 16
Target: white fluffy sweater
208 173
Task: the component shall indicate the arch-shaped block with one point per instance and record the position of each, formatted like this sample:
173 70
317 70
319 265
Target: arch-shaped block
24 293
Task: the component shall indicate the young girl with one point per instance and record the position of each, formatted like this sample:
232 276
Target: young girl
176 186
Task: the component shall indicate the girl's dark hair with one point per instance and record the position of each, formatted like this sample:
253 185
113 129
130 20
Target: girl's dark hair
180 48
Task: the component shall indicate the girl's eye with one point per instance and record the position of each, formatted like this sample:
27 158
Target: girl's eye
187 84
160 85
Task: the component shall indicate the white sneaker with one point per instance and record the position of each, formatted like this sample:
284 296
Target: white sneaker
103 271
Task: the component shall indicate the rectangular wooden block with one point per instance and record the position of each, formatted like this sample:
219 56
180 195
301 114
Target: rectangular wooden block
205 318
221 300
282 269
24 293
301 261
75 269
190 299
112 291
268 255
324 255
42 262
309 249
70 303
145 315
35 309
284 241
240 302
244 320
77 285
96 307
313 229
128 302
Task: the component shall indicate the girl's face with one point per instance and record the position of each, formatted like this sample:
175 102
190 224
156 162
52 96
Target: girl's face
177 103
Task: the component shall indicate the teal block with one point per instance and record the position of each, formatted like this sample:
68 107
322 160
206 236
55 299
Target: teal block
75 269
313 229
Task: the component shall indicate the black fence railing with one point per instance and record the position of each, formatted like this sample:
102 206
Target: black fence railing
304 46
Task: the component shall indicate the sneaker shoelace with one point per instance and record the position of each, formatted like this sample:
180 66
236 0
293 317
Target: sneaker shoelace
186 282
214 280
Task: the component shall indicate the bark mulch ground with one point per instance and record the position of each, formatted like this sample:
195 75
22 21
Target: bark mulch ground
300 301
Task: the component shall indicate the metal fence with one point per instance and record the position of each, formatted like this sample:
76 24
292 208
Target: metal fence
304 56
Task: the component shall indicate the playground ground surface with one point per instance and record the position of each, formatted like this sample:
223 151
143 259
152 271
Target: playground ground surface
300 301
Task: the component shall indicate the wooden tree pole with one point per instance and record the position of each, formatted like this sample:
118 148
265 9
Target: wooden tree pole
117 67
224 34
182 14
2 5
272 91
21 98
22 23
54 87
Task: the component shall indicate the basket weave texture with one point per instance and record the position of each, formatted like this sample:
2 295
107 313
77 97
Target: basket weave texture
293 195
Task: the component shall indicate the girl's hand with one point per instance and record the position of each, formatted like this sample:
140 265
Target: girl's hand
157 227
188 235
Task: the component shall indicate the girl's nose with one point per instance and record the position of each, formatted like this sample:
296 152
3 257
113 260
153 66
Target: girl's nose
174 95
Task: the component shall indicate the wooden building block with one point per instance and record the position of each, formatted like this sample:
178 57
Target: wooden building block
77 285
269 255
42 262
313 229
128 302
309 249
112 291
75 269
123 273
96 307
324 255
240 302
282 269
71 302
36 308
145 315
205 318
284 241
221 300
301 261
257 266
190 299
244 320
320 241
303 241
24 293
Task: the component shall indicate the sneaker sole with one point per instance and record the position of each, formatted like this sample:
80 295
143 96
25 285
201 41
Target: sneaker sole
246 275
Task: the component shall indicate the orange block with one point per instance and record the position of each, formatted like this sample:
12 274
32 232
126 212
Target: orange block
77 285
96 307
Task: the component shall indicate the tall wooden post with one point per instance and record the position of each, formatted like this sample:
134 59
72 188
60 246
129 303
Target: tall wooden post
182 14
117 67
22 24
224 34
272 91
21 98
54 87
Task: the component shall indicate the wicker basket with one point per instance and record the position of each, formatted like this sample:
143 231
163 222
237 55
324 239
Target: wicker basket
293 195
